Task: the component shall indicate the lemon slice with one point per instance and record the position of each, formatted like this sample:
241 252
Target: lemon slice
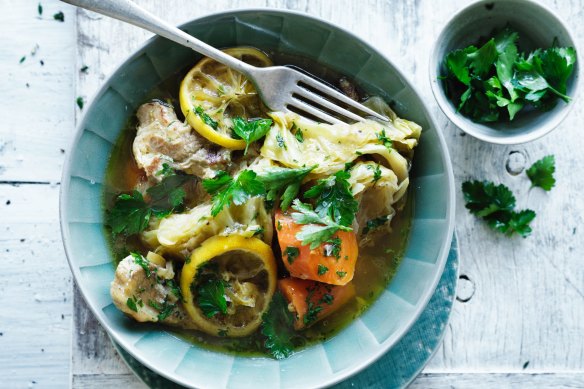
246 269
212 94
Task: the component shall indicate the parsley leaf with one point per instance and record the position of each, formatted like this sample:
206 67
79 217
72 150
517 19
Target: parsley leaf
130 214
318 229
322 269
484 198
226 190
169 194
250 131
334 198
211 297
206 118
275 180
482 59
277 327
495 204
541 173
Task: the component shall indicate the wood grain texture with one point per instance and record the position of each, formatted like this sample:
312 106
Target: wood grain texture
526 295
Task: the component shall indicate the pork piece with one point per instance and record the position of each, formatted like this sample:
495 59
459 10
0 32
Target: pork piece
162 138
152 296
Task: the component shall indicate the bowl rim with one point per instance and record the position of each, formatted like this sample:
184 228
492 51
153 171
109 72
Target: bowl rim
470 127
440 258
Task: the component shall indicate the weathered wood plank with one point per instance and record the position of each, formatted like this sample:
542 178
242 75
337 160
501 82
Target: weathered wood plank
495 380
35 289
38 98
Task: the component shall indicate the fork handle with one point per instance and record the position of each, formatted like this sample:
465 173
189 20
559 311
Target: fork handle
129 12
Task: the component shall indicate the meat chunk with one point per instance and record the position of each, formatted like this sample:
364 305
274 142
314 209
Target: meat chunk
154 295
162 138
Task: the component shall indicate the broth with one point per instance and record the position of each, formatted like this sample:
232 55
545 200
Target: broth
376 264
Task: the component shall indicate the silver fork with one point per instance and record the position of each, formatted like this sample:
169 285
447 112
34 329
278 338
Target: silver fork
280 88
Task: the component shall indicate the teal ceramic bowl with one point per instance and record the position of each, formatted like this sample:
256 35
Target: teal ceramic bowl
363 340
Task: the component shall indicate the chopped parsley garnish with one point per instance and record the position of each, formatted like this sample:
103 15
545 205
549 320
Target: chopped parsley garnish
281 142
164 310
84 69
327 298
40 9
259 231
376 173
80 102
341 274
60 16
277 327
333 248
226 190
322 269
131 213
541 173
298 134
211 297
166 170
131 303
496 79
279 226
206 118
312 309
375 223
22 59
384 140
142 262
496 205
175 289
252 130
291 253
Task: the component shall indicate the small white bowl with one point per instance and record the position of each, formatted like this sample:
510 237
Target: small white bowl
537 27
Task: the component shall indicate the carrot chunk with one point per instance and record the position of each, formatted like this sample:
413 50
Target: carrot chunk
313 301
333 262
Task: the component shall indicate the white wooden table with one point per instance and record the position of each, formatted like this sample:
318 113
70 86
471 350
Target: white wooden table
519 318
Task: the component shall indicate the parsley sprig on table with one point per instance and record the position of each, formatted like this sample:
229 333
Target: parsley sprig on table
496 205
495 78
541 173
131 212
